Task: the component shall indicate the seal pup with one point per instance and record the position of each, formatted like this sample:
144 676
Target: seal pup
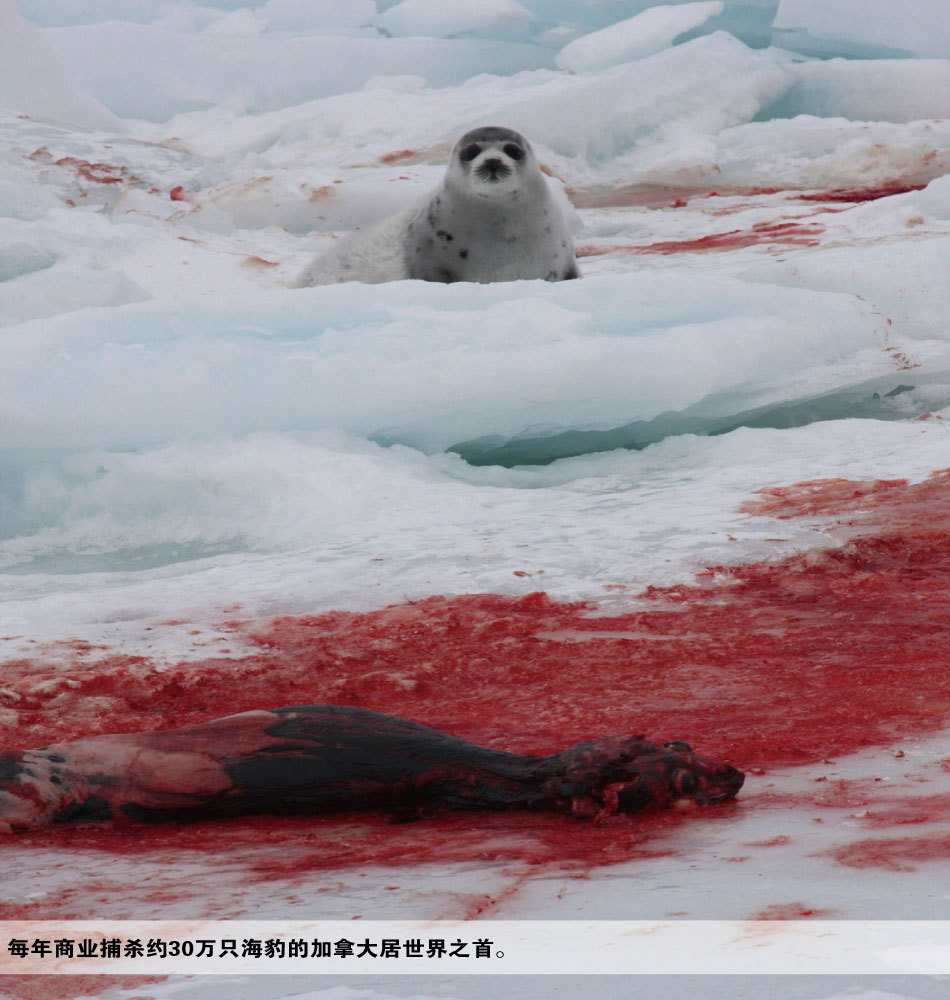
494 217
327 758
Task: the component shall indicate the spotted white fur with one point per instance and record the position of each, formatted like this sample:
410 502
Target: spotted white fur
494 217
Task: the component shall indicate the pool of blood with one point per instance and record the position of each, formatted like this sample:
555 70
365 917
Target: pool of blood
791 911
784 231
793 233
859 194
765 233
771 663
894 853
660 197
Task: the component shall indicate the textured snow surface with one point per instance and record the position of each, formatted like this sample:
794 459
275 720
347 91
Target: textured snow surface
650 31
190 446
857 28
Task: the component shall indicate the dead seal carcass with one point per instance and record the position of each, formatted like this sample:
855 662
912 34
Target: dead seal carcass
327 758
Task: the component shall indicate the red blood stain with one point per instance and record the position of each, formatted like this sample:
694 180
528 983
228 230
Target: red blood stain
894 853
910 812
653 196
775 662
400 156
857 194
790 911
904 363
268 849
178 193
835 497
796 234
593 250
778 841
58 987
100 173
870 800
786 233
646 196
892 505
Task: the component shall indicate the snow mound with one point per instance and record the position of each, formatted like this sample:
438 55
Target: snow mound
261 73
664 107
421 364
34 82
444 18
643 35
891 90
863 29
318 16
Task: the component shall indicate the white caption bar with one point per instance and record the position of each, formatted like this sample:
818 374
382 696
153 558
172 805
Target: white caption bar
477 947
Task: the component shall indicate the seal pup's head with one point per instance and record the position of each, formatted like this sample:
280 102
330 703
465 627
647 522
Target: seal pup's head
491 163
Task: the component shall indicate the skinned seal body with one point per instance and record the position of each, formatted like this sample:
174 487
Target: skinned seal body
327 758
494 217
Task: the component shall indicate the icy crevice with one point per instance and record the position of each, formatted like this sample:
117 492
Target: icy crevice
886 398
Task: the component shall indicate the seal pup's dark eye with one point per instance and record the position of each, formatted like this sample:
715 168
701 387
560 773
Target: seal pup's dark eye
515 152
470 152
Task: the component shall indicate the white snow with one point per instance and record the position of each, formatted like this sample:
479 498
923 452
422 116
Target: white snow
864 29
812 152
891 90
444 18
260 73
426 365
109 546
318 16
33 81
181 431
650 31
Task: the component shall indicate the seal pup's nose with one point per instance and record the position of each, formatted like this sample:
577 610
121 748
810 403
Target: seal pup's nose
494 167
